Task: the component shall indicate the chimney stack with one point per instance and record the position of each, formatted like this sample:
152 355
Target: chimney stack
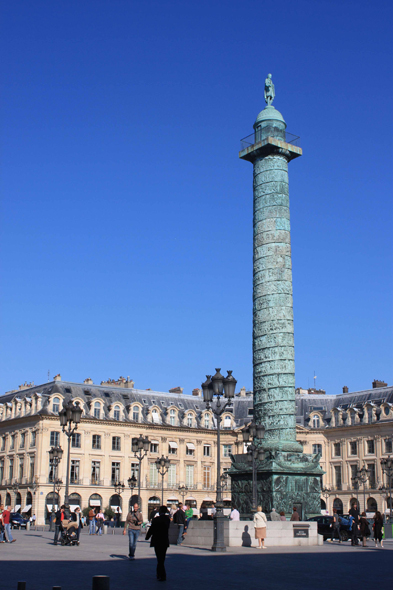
345 389
377 383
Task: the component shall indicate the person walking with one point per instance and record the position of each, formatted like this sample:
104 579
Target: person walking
364 529
77 518
377 526
100 522
92 522
274 516
1 524
59 517
179 518
295 515
260 521
235 514
158 532
7 525
132 525
336 525
354 512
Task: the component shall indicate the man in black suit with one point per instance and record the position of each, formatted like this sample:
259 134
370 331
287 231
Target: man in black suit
354 512
158 532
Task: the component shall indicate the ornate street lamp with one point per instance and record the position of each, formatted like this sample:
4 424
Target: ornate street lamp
162 465
55 455
119 487
362 476
387 468
218 386
70 417
15 489
224 480
325 491
140 447
356 485
252 434
132 481
182 491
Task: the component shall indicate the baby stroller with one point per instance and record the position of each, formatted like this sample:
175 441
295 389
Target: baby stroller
69 533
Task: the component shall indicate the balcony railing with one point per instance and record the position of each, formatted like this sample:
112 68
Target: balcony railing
255 137
96 482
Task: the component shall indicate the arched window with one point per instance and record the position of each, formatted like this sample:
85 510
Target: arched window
372 505
316 422
227 423
56 405
135 413
189 420
172 417
97 410
116 413
338 505
207 421
95 500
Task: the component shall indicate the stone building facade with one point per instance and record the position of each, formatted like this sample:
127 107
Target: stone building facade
348 430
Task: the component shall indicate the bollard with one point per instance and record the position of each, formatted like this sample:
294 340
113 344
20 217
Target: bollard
100 583
105 529
27 526
21 586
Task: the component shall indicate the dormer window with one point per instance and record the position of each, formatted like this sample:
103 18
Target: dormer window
316 422
189 420
172 417
116 413
56 405
135 413
207 421
227 423
155 416
97 410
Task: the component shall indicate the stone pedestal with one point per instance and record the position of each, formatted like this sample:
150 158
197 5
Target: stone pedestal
284 480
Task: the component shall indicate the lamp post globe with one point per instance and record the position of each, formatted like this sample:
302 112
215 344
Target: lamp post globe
70 416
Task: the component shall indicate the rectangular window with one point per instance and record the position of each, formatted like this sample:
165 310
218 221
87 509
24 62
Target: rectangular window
206 477
153 474
353 448
317 448
21 469
96 441
135 469
3 443
74 472
1 471
227 450
11 470
172 448
97 410
12 443
354 470
54 439
31 468
388 445
95 473
337 449
370 447
172 475
337 476
33 438
154 447
51 472
371 476
189 476
76 440
207 421
116 443
135 413
206 451
115 472
22 440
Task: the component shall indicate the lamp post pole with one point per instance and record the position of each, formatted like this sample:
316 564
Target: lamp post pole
119 489
355 483
34 487
162 465
218 386
15 489
252 434
140 447
132 481
55 455
70 417
362 476
387 468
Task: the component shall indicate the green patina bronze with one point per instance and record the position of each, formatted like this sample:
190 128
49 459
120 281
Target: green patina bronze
287 476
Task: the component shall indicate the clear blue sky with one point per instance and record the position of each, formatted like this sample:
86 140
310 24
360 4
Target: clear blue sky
127 214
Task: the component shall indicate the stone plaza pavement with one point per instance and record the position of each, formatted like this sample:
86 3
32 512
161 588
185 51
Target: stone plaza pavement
34 559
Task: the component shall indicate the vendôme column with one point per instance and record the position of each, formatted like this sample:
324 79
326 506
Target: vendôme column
270 149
